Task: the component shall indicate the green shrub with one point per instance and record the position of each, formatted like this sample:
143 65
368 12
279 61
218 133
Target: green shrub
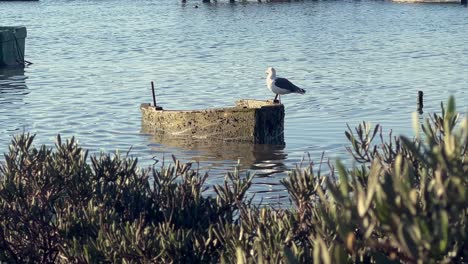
405 202
408 200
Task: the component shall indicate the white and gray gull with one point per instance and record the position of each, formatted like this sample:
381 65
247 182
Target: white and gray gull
280 85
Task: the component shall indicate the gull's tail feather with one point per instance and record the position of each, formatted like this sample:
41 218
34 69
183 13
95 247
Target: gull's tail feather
301 91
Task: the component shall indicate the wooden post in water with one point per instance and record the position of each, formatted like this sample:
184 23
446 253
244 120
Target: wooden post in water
420 102
463 2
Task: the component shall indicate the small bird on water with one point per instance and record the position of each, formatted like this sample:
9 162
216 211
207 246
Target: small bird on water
280 85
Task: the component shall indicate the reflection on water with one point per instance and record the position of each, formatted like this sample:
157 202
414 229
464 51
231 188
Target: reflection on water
12 91
12 85
358 60
264 159
268 162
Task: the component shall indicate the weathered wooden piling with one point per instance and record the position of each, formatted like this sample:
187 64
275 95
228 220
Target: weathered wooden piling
12 46
255 121
420 102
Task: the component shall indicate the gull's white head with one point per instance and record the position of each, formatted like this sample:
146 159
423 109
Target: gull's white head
271 72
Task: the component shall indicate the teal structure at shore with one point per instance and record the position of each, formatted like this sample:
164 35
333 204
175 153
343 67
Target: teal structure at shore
12 46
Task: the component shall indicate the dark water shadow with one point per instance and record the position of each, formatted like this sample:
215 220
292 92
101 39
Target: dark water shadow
221 155
13 86
218 157
13 89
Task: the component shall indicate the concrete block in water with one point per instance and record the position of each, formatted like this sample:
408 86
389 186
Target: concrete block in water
260 122
12 46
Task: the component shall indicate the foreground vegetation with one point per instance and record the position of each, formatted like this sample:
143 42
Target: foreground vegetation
405 201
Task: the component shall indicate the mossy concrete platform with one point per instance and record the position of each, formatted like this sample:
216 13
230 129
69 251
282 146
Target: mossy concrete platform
12 45
260 122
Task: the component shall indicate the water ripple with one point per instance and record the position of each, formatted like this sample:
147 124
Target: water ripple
94 60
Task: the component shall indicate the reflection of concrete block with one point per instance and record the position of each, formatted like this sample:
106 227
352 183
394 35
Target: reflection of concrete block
252 121
12 46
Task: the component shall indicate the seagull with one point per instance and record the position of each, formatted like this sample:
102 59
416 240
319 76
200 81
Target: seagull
280 85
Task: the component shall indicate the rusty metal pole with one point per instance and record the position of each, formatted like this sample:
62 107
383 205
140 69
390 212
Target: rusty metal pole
154 95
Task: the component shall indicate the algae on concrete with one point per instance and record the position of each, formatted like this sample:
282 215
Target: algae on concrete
254 121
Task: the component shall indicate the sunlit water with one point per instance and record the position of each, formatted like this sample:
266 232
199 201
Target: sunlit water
358 60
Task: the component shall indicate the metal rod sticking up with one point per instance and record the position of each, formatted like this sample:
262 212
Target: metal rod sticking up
154 95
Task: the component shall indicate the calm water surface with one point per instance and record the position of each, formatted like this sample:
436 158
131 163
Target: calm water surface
358 60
